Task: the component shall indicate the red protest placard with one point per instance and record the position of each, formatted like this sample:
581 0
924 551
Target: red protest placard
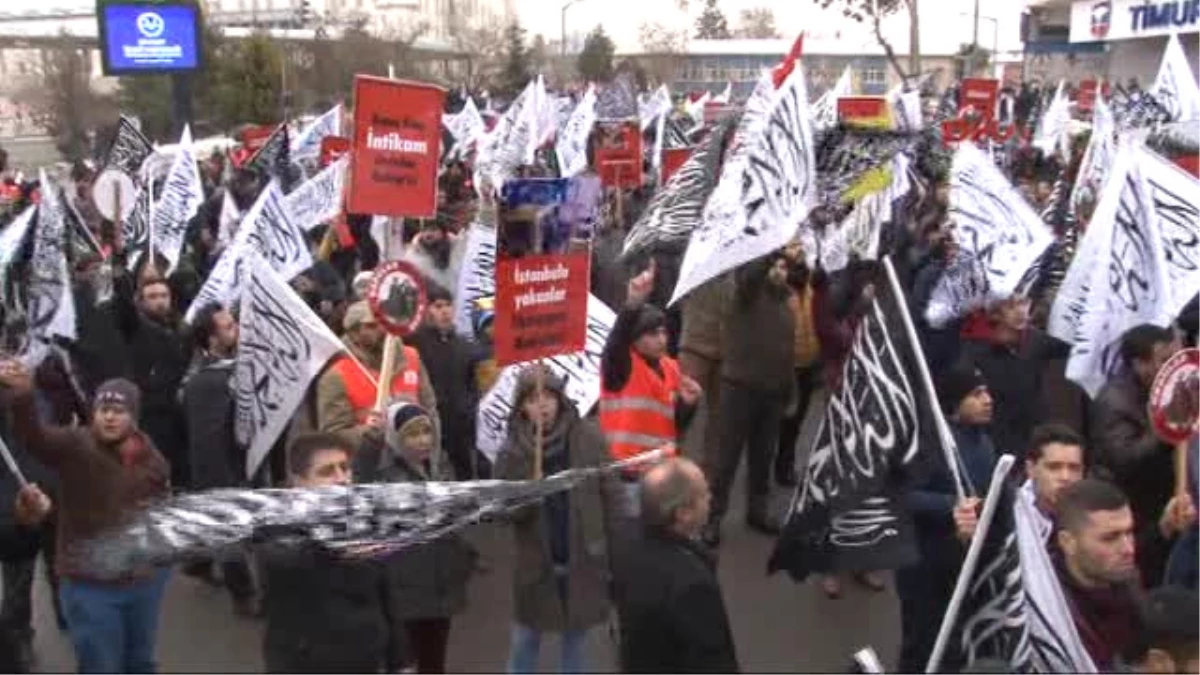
619 155
332 149
541 306
870 111
397 136
673 158
979 94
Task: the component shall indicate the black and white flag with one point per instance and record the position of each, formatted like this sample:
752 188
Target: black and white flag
282 346
182 195
1126 277
466 126
129 149
824 111
880 421
318 199
1175 88
135 230
476 276
617 100
307 143
502 150
266 230
12 239
988 616
1174 198
676 209
273 159
1057 647
362 520
1099 155
580 371
51 304
766 189
999 237
655 106
571 145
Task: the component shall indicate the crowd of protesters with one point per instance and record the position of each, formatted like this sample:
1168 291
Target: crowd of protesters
141 405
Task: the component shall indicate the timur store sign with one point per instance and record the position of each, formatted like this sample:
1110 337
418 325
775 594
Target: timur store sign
1104 20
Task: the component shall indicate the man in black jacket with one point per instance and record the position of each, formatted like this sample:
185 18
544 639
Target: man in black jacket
216 459
325 614
451 363
672 615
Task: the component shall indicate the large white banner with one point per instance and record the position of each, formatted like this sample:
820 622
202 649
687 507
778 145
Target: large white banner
1175 87
572 142
1129 283
318 199
282 346
476 276
580 370
998 233
182 195
765 191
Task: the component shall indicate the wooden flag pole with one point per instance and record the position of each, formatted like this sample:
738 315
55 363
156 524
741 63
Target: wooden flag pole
1181 468
539 385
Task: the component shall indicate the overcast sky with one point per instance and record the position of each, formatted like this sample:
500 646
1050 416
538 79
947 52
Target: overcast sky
621 18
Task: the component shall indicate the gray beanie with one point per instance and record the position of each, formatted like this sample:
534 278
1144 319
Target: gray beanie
119 392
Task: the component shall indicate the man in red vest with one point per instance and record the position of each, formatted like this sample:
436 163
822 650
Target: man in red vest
346 391
646 402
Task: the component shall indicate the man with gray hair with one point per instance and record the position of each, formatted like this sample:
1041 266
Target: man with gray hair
670 606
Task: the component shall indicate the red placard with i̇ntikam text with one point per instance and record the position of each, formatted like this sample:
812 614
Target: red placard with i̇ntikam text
397 136
541 306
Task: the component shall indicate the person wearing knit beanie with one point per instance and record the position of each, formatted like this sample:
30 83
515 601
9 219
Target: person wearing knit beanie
957 384
410 432
115 410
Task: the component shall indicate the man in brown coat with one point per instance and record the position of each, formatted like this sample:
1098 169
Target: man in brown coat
700 352
108 471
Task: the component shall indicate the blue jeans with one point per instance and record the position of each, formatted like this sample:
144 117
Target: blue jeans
113 627
527 643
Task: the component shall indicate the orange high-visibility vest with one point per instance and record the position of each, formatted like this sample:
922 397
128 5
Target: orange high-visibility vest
641 417
361 391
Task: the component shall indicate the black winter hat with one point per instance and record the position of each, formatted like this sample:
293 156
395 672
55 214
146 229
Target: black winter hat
121 393
956 383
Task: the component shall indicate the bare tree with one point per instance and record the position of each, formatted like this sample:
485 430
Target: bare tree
665 50
756 23
72 109
478 43
875 10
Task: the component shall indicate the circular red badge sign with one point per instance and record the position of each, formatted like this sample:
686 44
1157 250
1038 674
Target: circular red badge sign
397 297
1174 397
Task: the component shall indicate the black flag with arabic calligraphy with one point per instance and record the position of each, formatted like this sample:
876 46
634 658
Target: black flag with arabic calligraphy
129 149
273 159
877 426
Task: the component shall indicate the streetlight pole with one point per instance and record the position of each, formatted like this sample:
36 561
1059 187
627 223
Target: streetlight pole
563 27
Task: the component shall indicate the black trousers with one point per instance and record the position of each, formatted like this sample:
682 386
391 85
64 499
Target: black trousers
749 420
16 611
807 381
924 592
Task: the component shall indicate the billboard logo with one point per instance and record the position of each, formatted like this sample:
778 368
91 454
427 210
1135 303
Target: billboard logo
150 25
1101 19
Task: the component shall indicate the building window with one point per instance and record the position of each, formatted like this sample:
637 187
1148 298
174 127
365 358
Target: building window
874 76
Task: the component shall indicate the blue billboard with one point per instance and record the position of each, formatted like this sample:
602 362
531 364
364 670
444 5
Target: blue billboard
142 37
